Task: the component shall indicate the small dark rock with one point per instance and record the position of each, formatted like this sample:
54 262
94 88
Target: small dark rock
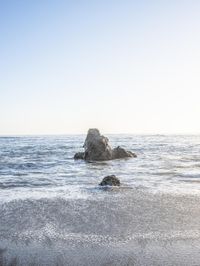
110 180
79 156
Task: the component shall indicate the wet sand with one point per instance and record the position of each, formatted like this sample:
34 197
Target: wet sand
122 227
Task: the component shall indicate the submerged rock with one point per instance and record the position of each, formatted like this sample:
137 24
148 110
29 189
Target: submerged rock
110 180
97 148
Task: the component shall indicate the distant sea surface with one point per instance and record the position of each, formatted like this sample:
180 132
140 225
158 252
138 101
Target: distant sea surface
52 208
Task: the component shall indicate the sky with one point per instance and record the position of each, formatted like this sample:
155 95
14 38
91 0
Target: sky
122 66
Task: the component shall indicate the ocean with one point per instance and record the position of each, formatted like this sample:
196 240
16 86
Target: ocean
53 212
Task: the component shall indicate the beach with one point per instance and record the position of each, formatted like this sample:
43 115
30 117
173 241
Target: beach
53 212
132 228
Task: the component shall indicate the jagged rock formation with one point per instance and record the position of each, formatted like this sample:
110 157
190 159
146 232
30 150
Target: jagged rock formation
97 148
110 180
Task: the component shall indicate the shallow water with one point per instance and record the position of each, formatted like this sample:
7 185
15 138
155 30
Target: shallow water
44 166
52 211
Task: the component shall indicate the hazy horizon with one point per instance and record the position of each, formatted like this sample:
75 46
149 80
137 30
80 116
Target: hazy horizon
120 66
102 132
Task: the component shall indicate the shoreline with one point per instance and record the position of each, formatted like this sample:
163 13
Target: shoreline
132 228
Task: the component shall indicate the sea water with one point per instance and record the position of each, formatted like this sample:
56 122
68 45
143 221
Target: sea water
53 212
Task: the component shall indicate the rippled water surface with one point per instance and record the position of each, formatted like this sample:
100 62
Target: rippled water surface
52 211
36 166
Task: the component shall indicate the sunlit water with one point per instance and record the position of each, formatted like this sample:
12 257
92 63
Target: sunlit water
52 210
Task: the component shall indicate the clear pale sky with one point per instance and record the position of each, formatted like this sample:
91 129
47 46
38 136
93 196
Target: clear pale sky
122 66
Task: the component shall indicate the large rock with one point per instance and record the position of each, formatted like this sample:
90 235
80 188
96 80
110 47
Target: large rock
110 180
97 148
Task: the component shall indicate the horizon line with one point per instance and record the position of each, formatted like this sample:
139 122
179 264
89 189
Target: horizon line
105 133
